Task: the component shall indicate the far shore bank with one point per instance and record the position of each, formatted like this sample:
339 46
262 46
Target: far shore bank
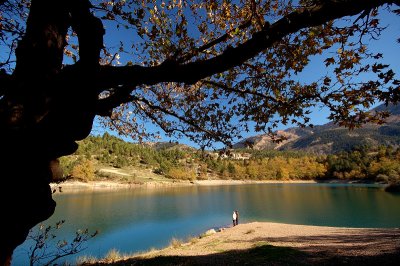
75 186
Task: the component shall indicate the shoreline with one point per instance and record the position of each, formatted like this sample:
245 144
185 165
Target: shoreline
76 186
304 244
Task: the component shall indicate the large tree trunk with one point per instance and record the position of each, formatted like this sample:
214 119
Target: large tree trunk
42 115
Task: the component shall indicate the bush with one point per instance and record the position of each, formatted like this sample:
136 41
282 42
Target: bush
181 173
84 170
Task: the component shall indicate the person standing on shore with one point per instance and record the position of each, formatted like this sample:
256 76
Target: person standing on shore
234 217
237 217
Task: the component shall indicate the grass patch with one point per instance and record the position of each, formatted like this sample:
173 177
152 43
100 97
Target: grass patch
193 240
84 260
161 260
175 243
113 255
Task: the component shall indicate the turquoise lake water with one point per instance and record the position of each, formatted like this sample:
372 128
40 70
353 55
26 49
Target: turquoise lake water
139 219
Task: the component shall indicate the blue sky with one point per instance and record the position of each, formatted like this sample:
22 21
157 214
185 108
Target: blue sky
386 44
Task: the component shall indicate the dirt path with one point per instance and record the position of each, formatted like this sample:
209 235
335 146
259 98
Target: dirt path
114 171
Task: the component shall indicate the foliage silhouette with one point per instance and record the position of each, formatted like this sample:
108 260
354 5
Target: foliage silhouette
45 251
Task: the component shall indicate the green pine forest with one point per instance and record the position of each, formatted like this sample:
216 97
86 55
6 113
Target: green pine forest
110 158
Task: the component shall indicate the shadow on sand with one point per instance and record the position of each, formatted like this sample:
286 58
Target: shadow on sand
359 252
261 255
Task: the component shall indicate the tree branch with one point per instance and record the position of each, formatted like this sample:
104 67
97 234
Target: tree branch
240 91
175 115
170 71
122 95
214 42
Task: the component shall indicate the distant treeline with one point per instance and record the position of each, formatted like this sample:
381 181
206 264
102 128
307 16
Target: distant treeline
180 162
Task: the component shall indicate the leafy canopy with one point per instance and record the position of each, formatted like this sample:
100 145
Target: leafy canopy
210 70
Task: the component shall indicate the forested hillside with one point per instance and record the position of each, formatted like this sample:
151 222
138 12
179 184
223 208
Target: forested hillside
98 157
110 158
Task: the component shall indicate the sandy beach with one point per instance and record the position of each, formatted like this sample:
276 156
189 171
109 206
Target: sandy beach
258 243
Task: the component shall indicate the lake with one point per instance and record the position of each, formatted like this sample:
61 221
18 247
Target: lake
139 219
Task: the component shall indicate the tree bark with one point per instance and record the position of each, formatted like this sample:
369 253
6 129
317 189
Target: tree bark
39 120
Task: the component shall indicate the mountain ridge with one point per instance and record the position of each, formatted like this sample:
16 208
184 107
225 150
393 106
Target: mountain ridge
330 138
